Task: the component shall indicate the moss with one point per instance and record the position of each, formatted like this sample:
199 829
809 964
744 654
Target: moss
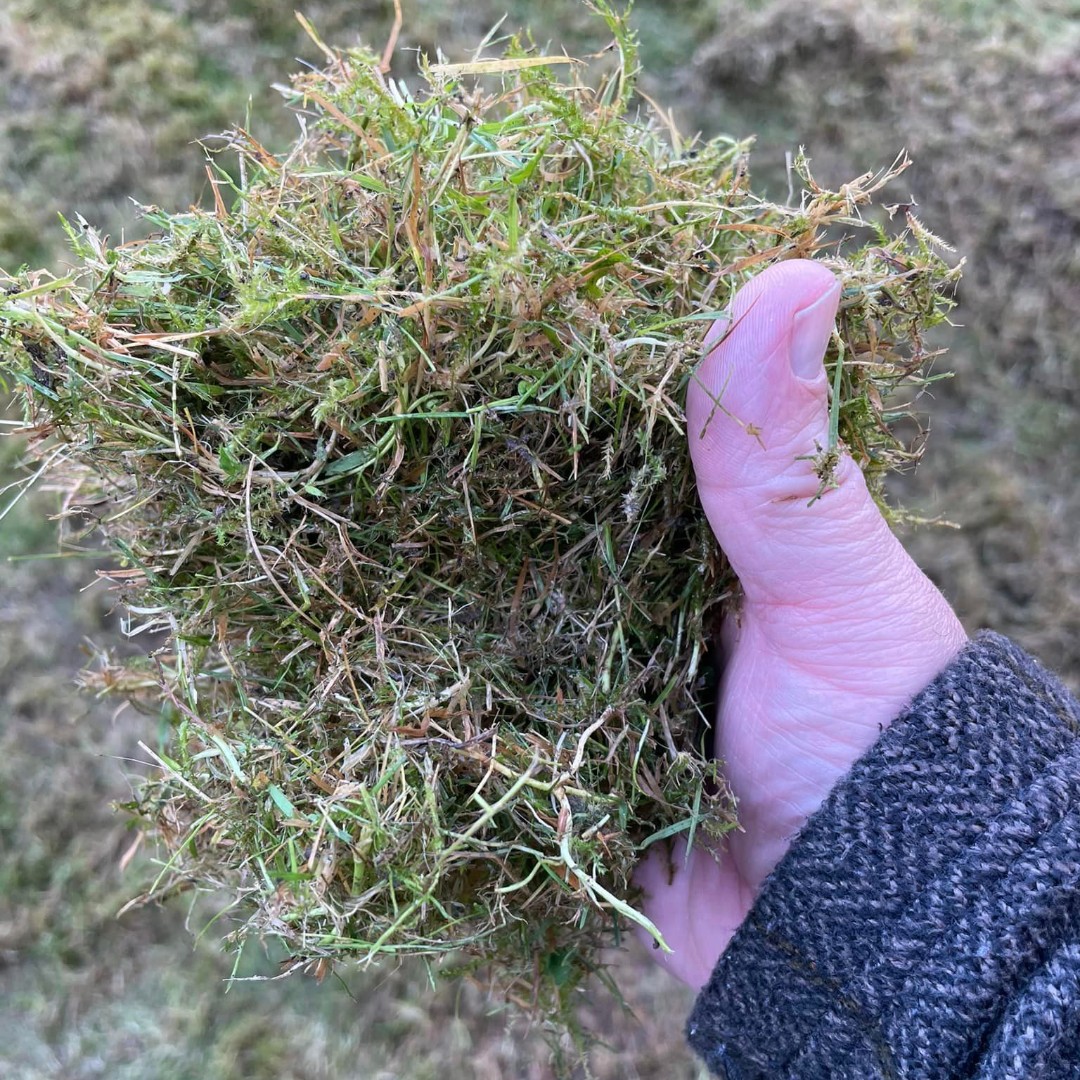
393 451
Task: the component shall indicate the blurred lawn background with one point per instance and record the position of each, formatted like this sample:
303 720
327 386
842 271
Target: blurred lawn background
101 103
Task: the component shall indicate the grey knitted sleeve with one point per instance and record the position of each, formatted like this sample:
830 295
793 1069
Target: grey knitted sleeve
926 921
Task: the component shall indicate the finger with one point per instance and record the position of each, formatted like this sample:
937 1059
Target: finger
758 420
696 901
761 383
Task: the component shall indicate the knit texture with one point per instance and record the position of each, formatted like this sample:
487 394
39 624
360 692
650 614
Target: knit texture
926 921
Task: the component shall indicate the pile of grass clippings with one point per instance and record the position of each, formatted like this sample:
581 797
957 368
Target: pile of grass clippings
390 443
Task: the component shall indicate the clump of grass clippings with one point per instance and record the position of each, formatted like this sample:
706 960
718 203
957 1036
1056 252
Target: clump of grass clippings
391 446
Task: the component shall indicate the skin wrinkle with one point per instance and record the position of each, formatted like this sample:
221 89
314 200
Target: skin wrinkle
771 627
830 750
798 575
833 596
782 652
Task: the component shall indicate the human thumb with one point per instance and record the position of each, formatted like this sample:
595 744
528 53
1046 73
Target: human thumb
758 426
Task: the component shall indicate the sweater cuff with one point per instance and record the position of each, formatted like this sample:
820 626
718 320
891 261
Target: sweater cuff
917 902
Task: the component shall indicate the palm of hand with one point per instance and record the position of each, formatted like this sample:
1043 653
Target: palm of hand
838 629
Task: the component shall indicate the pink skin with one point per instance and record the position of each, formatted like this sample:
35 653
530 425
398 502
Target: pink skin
839 629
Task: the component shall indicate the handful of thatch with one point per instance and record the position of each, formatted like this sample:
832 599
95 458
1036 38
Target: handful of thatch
391 446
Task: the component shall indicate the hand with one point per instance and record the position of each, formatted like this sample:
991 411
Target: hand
838 629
